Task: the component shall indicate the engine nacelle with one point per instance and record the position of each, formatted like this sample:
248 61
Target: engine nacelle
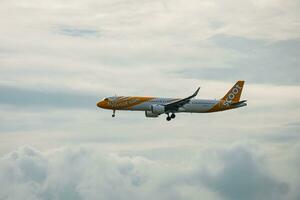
150 114
157 109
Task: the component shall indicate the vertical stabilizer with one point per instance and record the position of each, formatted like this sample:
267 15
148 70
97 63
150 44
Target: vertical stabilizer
234 94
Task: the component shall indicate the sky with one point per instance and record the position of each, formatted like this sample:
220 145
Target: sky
59 58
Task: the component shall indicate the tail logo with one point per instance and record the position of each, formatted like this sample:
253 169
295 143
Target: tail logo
234 91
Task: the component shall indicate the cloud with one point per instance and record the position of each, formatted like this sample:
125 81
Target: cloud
36 98
90 173
243 176
78 32
140 42
257 61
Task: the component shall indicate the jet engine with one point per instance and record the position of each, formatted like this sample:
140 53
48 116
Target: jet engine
157 109
150 114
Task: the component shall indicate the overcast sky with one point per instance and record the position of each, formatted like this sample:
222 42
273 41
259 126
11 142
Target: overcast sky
58 58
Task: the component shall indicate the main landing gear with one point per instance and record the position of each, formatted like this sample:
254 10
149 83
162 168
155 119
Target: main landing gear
169 117
114 113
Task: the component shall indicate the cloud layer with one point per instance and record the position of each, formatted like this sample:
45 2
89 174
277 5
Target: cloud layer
239 172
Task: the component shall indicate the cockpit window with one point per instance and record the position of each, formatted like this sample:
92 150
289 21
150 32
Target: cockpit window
106 99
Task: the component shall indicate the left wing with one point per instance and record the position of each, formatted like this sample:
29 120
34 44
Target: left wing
181 102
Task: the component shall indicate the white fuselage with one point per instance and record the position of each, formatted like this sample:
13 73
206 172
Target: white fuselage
194 106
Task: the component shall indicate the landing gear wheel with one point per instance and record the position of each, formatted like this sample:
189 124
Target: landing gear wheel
114 113
168 118
173 116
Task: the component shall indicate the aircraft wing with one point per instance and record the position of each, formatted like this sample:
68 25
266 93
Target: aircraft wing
173 106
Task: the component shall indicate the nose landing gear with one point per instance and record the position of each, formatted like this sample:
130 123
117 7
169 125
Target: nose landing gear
114 113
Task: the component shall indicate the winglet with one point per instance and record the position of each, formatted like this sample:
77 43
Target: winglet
196 92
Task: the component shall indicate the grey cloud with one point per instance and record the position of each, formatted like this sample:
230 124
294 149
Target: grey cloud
291 136
257 61
90 173
29 97
289 133
78 32
239 44
215 24
243 176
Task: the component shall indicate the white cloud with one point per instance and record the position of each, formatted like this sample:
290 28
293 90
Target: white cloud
133 36
238 172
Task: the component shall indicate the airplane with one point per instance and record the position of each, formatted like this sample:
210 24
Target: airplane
154 106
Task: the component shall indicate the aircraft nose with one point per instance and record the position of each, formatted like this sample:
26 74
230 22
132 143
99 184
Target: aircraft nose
100 104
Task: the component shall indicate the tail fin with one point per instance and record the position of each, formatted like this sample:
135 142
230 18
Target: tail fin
234 94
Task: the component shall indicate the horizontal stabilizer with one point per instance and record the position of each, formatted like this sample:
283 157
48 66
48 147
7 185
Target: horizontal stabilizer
238 103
